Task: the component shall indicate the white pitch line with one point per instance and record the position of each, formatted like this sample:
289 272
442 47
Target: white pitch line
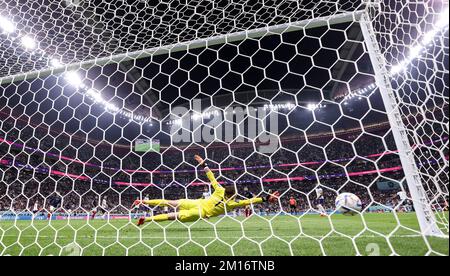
204 238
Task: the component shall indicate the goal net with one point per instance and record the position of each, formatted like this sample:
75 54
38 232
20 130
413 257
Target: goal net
106 102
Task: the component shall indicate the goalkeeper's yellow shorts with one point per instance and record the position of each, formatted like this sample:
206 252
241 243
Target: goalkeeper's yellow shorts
189 209
189 215
187 204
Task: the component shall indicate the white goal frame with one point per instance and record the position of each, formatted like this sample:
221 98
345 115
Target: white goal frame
190 45
425 215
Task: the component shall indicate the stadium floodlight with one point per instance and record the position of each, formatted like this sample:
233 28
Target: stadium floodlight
74 79
6 25
174 122
397 69
28 42
443 19
427 39
55 62
110 107
415 51
311 107
94 95
196 117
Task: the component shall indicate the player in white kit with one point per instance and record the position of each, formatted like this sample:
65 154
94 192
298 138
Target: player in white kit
166 210
104 207
35 208
206 193
402 196
320 201
104 204
402 200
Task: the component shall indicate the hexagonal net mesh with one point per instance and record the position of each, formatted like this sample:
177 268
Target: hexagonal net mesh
339 106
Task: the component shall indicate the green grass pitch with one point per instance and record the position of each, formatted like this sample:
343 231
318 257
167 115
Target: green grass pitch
376 234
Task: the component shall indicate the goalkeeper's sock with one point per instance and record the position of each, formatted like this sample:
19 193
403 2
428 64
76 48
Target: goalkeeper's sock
158 218
157 202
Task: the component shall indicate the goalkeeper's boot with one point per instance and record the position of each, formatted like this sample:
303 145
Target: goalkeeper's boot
141 221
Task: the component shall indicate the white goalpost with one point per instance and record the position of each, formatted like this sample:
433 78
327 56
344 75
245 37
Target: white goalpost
422 204
106 102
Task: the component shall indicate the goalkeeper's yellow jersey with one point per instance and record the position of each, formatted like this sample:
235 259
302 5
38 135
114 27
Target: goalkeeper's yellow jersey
217 205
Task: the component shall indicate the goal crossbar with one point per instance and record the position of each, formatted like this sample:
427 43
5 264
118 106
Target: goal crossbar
189 45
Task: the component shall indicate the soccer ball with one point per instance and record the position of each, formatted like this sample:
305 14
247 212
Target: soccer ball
348 204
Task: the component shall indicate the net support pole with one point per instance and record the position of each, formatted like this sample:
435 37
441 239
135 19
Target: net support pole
424 212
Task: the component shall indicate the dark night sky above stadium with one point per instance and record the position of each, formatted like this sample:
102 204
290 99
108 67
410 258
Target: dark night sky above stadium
309 64
221 71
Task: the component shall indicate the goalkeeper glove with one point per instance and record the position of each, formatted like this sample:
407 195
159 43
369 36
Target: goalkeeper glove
204 164
273 197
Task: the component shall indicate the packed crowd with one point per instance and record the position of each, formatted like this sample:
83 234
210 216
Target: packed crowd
29 176
21 192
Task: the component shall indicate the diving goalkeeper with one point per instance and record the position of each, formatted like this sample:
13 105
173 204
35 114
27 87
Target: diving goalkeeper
187 210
